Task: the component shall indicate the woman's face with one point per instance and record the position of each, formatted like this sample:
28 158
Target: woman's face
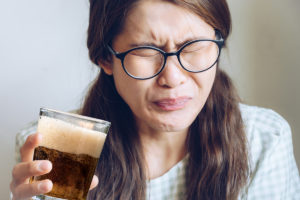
170 101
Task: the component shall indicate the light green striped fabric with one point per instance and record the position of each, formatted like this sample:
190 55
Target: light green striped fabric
274 173
171 185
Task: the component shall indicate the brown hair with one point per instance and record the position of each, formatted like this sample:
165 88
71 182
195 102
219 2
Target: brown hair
218 164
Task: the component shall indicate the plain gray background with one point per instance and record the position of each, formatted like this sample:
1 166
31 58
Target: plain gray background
44 62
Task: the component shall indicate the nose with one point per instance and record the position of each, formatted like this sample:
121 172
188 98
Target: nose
173 74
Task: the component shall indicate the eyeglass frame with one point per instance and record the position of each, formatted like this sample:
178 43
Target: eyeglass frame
121 55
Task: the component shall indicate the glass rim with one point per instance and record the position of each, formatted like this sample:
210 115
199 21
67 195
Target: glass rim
74 115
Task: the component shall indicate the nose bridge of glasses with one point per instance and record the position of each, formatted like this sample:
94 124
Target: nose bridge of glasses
176 61
167 54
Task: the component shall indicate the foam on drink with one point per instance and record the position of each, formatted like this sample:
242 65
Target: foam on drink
69 138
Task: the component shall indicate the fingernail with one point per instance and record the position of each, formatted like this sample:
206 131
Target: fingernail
44 166
44 186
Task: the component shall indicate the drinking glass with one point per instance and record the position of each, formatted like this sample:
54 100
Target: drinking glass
73 143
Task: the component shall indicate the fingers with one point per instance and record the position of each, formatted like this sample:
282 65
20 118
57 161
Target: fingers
27 149
25 191
25 170
94 182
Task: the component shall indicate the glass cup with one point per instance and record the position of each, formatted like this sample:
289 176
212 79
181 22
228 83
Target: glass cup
73 143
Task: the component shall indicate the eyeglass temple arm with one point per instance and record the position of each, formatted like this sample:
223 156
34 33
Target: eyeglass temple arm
111 49
219 38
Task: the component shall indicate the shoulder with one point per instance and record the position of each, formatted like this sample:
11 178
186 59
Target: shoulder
266 121
264 129
273 168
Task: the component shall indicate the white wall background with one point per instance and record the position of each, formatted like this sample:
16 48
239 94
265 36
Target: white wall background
44 62
264 57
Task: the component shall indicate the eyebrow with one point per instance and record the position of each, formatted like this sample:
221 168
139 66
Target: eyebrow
178 45
133 45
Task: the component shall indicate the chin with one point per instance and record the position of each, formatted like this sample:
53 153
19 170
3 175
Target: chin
172 127
178 122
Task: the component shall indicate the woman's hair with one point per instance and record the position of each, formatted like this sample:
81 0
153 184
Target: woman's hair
217 165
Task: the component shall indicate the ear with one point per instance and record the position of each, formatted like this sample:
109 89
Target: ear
106 66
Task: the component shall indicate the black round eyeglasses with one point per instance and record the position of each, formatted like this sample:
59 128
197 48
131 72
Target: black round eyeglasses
146 62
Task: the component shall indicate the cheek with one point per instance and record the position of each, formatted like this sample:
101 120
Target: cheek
125 88
122 81
211 79
132 91
205 81
203 84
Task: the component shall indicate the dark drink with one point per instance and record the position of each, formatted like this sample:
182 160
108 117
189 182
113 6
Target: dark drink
73 146
71 174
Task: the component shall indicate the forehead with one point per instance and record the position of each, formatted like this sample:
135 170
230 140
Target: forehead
160 21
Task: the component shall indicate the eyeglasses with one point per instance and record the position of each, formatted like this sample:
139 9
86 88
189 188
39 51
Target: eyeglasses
145 62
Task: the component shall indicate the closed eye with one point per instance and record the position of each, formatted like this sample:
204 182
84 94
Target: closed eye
144 52
197 46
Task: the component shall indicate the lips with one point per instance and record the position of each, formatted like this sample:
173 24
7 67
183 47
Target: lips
171 104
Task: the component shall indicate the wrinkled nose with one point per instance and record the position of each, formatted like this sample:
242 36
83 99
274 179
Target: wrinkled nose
173 74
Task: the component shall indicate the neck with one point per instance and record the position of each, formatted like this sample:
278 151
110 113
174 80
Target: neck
162 150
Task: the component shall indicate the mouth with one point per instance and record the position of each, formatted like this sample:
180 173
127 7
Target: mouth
172 104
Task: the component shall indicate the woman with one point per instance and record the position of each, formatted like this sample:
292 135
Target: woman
178 130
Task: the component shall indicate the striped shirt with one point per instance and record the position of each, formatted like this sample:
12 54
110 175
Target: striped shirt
274 173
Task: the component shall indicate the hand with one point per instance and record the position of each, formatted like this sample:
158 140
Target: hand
20 186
